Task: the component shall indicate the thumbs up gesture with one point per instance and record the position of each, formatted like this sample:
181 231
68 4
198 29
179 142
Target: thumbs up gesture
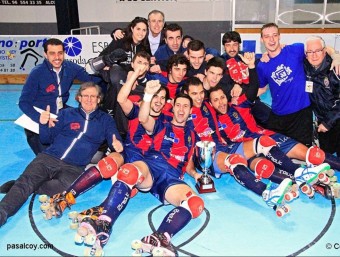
45 117
116 144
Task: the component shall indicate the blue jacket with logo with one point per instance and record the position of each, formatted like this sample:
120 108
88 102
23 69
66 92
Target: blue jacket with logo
77 135
326 92
41 87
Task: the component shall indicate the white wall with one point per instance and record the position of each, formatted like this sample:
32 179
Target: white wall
113 11
27 14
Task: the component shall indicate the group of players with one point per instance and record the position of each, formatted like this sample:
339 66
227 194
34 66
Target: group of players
165 98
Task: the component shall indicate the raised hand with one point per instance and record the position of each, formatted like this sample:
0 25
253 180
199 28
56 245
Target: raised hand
249 59
116 144
45 117
119 34
152 87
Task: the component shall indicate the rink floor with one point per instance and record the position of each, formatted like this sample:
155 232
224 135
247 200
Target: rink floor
236 222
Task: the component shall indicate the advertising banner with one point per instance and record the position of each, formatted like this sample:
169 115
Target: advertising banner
19 54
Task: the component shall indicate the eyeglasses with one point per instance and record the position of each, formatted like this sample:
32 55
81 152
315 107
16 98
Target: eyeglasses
89 96
314 52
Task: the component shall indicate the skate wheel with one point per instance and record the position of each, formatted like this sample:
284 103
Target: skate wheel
90 239
82 231
73 215
99 252
48 215
333 179
289 196
330 173
78 239
311 194
280 212
74 225
157 251
336 190
324 178
136 244
89 251
43 198
306 189
295 194
44 207
136 254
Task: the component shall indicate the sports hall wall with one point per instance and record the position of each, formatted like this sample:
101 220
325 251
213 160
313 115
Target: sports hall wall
203 19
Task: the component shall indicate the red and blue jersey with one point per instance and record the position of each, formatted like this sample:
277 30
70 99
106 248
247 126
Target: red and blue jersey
238 124
174 88
175 144
137 135
204 122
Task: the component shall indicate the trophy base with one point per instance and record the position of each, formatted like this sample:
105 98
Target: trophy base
205 188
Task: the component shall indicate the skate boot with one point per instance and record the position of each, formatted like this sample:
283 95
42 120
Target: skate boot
158 244
55 205
306 177
276 196
94 234
76 217
328 191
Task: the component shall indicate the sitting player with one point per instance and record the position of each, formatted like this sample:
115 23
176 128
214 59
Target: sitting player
160 173
136 143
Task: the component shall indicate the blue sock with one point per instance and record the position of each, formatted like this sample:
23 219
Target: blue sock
281 160
247 179
88 179
175 220
116 201
279 175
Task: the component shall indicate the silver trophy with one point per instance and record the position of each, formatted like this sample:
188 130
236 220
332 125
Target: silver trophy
205 154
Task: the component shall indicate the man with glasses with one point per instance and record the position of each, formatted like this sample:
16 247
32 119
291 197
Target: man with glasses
324 93
49 84
291 113
74 137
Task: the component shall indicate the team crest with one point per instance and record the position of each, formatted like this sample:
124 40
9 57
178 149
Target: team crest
326 82
235 115
205 109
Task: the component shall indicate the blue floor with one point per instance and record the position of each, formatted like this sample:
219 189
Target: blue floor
236 222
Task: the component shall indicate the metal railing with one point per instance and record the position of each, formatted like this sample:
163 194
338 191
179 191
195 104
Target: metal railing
87 30
285 13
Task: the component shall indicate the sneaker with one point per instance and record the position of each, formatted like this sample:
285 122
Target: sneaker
59 202
311 175
159 241
274 194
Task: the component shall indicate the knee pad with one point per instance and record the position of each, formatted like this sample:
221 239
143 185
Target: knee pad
107 167
264 169
194 204
263 145
315 156
232 160
95 65
130 175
